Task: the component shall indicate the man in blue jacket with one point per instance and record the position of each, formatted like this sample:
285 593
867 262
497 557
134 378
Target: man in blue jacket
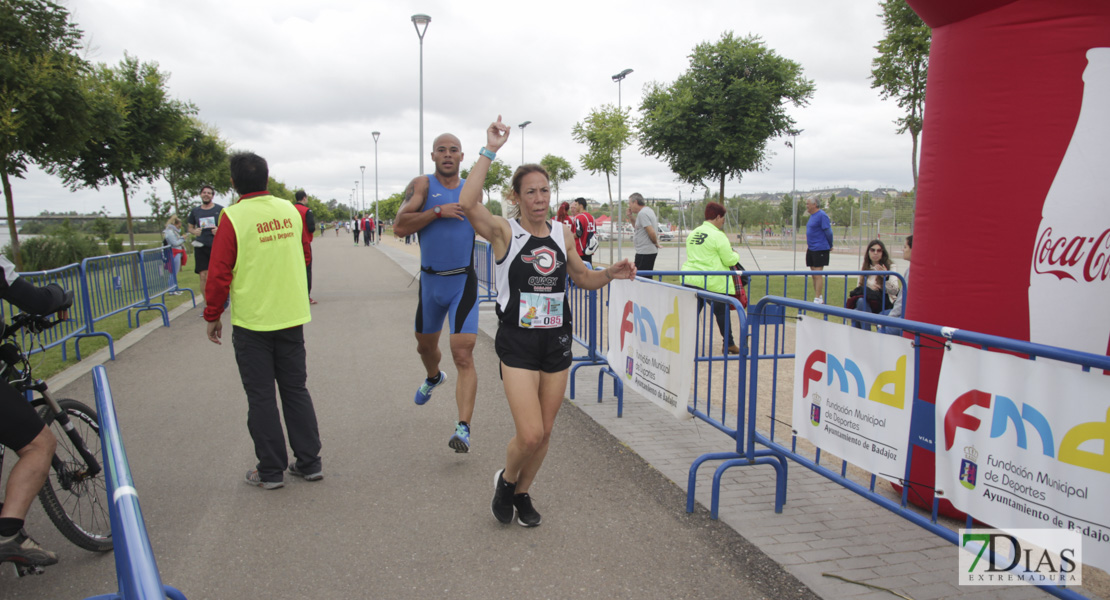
819 239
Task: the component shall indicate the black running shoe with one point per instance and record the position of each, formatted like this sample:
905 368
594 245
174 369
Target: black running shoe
526 514
503 498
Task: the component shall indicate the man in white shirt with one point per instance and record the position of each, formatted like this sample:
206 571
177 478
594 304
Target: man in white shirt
646 237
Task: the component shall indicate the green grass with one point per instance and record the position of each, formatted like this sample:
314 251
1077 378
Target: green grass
797 287
49 363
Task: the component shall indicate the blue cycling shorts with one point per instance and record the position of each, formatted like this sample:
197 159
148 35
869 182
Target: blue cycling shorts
452 296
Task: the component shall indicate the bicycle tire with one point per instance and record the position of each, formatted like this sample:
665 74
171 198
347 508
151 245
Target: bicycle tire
80 509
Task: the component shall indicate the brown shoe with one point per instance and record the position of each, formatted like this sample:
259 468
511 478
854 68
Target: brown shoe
733 349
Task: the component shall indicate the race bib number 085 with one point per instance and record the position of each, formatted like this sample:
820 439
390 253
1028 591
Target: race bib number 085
541 311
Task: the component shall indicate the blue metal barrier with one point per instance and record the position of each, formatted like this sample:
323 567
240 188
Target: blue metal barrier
774 446
75 328
483 266
136 570
754 348
114 284
589 309
158 276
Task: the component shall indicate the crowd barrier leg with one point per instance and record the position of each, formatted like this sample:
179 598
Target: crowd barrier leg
692 480
111 343
618 388
766 458
158 307
581 362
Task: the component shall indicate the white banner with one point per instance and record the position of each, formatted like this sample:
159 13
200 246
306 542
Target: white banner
853 394
1040 434
652 331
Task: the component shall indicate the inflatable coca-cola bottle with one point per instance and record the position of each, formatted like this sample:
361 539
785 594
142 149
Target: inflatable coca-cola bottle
1069 281
1015 157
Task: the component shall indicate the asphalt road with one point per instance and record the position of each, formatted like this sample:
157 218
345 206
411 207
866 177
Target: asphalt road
398 515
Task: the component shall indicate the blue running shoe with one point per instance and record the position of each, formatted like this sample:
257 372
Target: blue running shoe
460 442
425 392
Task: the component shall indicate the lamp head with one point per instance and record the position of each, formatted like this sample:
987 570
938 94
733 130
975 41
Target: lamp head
376 134
622 75
524 124
420 22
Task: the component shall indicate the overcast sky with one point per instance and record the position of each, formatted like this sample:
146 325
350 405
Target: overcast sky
305 83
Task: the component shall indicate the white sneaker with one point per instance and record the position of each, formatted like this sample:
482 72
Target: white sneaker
819 300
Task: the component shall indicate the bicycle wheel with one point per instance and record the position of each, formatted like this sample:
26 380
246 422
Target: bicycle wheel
76 503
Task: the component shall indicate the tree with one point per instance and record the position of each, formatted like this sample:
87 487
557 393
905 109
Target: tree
134 124
388 207
841 211
42 104
494 207
714 121
497 176
200 159
605 131
160 210
558 171
786 209
902 66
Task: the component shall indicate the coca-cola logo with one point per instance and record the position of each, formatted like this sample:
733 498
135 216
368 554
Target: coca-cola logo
1073 257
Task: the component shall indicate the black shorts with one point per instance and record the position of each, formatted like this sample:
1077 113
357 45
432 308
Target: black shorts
817 258
547 350
201 254
19 423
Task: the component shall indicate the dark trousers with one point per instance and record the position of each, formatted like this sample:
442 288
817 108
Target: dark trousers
308 272
356 236
645 262
368 237
720 312
263 358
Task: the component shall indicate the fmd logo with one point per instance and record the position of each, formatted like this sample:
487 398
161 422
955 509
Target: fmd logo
825 366
1020 557
638 319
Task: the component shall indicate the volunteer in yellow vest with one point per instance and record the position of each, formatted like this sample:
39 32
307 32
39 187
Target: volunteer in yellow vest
260 260
707 249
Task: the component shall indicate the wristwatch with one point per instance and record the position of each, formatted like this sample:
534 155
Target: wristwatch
438 210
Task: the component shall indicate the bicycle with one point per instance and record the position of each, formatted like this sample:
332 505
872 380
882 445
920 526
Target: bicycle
75 495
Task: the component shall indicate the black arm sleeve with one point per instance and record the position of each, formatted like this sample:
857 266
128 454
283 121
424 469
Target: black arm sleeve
38 300
309 220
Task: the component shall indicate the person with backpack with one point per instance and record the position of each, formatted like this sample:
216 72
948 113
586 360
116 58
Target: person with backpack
585 230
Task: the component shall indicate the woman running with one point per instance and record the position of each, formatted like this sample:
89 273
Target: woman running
534 333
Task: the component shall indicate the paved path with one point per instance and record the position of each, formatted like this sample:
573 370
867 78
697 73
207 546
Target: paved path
398 515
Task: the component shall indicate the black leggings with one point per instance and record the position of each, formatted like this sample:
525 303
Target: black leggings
720 312
19 423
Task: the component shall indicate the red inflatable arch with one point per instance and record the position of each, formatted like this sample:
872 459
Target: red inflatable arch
1012 229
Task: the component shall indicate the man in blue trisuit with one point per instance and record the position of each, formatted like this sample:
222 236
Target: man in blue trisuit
448 283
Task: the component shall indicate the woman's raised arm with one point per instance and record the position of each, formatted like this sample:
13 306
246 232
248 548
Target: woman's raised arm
485 224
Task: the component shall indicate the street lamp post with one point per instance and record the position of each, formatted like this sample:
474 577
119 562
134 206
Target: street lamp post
357 203
794 192
522 126
420 22
619 77
376 222
363 169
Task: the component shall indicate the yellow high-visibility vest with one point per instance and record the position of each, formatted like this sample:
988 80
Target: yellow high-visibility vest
269 285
